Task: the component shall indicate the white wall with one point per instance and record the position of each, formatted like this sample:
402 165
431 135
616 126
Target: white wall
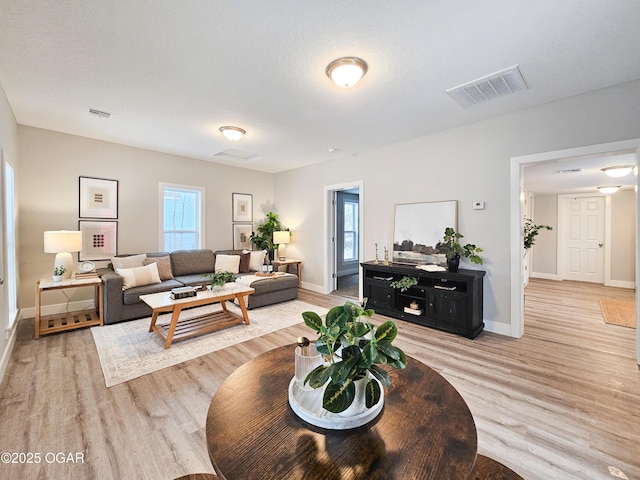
9 145
51 164
468 163
544 252
623 236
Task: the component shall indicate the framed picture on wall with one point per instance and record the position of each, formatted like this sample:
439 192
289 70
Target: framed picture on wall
242 207
99 240
419 228
242 236
98 198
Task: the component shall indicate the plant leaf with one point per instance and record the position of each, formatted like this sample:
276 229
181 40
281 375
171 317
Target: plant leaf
312 320
359 329
381 374
389 350
387 331
401 362
318 376
372 393
338 396
343 369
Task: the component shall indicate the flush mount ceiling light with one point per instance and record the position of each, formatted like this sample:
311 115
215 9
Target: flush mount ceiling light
232 133
610 189
620 171
346 71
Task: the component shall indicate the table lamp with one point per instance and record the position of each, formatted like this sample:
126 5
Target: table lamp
281 238
62 243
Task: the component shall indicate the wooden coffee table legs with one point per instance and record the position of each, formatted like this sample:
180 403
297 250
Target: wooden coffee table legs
178 329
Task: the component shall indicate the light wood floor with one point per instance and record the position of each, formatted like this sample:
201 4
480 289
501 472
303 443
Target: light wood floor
563 402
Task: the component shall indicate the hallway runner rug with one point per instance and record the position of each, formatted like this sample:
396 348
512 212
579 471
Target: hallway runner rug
618 312
127 350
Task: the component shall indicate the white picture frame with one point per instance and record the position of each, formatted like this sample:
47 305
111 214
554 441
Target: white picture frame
242 236
242 207
98 198
99 240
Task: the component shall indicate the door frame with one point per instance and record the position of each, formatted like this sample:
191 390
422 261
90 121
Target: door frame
329 231
515 230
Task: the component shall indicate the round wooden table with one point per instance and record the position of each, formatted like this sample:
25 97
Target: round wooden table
425 430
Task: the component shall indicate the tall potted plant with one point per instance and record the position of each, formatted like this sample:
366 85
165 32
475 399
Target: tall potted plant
355 349
531 231
454 250
263 239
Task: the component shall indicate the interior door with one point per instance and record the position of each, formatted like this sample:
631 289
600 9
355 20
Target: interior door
347 235
583 240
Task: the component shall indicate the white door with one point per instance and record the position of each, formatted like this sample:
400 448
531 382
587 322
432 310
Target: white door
583 239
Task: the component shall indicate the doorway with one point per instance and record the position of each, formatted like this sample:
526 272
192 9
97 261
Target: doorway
343 227
517 208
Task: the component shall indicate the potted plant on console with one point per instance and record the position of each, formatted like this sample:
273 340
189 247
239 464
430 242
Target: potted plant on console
58 273
354 349
454 250
263 239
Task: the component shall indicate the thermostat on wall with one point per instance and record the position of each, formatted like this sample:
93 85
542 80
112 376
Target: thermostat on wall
478 205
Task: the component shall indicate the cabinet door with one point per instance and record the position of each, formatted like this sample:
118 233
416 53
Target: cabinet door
448 308
379 296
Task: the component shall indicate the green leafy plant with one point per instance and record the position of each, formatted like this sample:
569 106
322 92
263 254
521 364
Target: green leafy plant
452 246
531 231
263 239
59 270
218 279
405 283
353 348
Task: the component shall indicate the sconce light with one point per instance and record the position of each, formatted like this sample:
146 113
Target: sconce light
62 242
232 133
281 238
346 71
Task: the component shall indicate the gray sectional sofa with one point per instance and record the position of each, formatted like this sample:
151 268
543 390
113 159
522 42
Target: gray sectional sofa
187 267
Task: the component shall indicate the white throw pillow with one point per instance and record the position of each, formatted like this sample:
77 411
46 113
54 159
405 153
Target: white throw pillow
227 263
137 277
132 261
257 257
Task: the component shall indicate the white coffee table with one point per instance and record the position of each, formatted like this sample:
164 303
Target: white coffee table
178 329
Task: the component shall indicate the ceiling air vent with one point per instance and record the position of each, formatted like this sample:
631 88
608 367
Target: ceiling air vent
99 113
231 154
570 170
498 84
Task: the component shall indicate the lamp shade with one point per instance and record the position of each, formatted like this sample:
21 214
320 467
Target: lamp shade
283 236
62 241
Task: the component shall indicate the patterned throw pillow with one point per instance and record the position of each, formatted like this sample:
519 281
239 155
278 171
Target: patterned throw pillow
137 277
164 266
132 261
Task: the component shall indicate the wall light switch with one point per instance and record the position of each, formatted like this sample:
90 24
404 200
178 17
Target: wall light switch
478 205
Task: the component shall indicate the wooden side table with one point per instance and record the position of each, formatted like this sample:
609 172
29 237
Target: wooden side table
289 262
69 320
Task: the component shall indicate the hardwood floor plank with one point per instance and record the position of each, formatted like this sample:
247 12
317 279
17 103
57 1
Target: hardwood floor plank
563 402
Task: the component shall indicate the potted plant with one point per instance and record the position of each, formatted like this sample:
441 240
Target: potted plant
405 283
454 250
263 239
531 231
354 350
58 272
218 279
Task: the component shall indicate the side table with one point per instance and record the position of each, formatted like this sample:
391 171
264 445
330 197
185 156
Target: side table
69 320
289 262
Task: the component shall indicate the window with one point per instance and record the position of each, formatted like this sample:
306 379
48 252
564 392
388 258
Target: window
350 248
181 217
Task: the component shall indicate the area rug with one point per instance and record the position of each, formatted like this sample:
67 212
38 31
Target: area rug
127 350
618 312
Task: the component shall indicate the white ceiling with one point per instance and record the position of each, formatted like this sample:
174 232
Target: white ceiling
172 72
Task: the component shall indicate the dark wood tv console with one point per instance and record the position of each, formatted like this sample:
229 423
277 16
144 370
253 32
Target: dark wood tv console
447 301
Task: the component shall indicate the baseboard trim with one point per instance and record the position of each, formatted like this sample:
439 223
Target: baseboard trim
545 276
620 284
58 308
498 327
6 355
314 288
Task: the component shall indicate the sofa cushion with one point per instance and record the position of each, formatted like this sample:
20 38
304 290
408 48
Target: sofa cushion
129 261
136 277
132 295
227 263
193 280
257 257
245 258
269 284
164 266
187 262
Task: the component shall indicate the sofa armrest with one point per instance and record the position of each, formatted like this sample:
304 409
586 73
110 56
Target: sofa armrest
111 294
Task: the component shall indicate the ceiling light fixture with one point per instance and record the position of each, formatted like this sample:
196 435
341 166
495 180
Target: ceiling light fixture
346 71
232 133
619 171
609 189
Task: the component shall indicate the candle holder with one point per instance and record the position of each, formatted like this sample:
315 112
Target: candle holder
376 260
386 256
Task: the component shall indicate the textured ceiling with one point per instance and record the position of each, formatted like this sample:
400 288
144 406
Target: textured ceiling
172 72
